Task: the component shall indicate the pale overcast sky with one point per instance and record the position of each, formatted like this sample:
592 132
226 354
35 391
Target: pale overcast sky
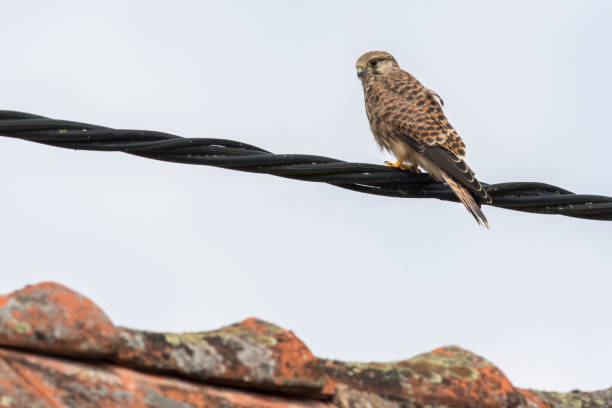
164 246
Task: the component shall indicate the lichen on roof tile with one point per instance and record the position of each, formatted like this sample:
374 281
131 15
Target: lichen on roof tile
250 364
55 383
251 352
52 318
439 377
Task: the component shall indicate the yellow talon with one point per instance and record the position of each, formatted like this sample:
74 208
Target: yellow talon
400 165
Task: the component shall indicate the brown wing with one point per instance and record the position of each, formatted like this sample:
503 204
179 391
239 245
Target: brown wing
425 128
433 125
458 169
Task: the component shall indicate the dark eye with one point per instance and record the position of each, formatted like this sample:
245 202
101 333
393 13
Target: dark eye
373 63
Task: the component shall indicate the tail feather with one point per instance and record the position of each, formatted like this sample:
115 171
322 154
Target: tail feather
467 199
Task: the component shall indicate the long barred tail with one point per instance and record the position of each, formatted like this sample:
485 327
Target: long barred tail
468 200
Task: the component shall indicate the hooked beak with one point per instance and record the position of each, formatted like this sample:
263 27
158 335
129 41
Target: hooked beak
360 72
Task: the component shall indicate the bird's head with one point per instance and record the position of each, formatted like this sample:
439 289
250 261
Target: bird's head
375 63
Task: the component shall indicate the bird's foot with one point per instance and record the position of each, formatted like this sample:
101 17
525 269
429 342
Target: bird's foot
400 165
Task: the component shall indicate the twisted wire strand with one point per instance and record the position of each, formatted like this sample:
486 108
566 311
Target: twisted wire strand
362 177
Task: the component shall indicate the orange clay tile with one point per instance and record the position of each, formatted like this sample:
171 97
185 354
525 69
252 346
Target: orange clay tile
52 318
444 376
58 349
57 382
252 353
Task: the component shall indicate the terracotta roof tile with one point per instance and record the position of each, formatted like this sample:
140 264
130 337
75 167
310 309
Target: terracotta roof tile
51 318
31 380
252 353
444 376
58 349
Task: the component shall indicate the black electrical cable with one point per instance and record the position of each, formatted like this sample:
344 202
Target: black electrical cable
366 178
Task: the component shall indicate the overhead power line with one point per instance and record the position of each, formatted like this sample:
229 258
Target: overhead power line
362 177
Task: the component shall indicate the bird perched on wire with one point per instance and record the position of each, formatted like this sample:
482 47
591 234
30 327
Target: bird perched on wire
407 119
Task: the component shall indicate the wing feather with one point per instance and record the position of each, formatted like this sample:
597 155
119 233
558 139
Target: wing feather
458 169
428 132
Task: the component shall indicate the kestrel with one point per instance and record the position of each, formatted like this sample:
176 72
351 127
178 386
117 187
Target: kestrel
407 119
